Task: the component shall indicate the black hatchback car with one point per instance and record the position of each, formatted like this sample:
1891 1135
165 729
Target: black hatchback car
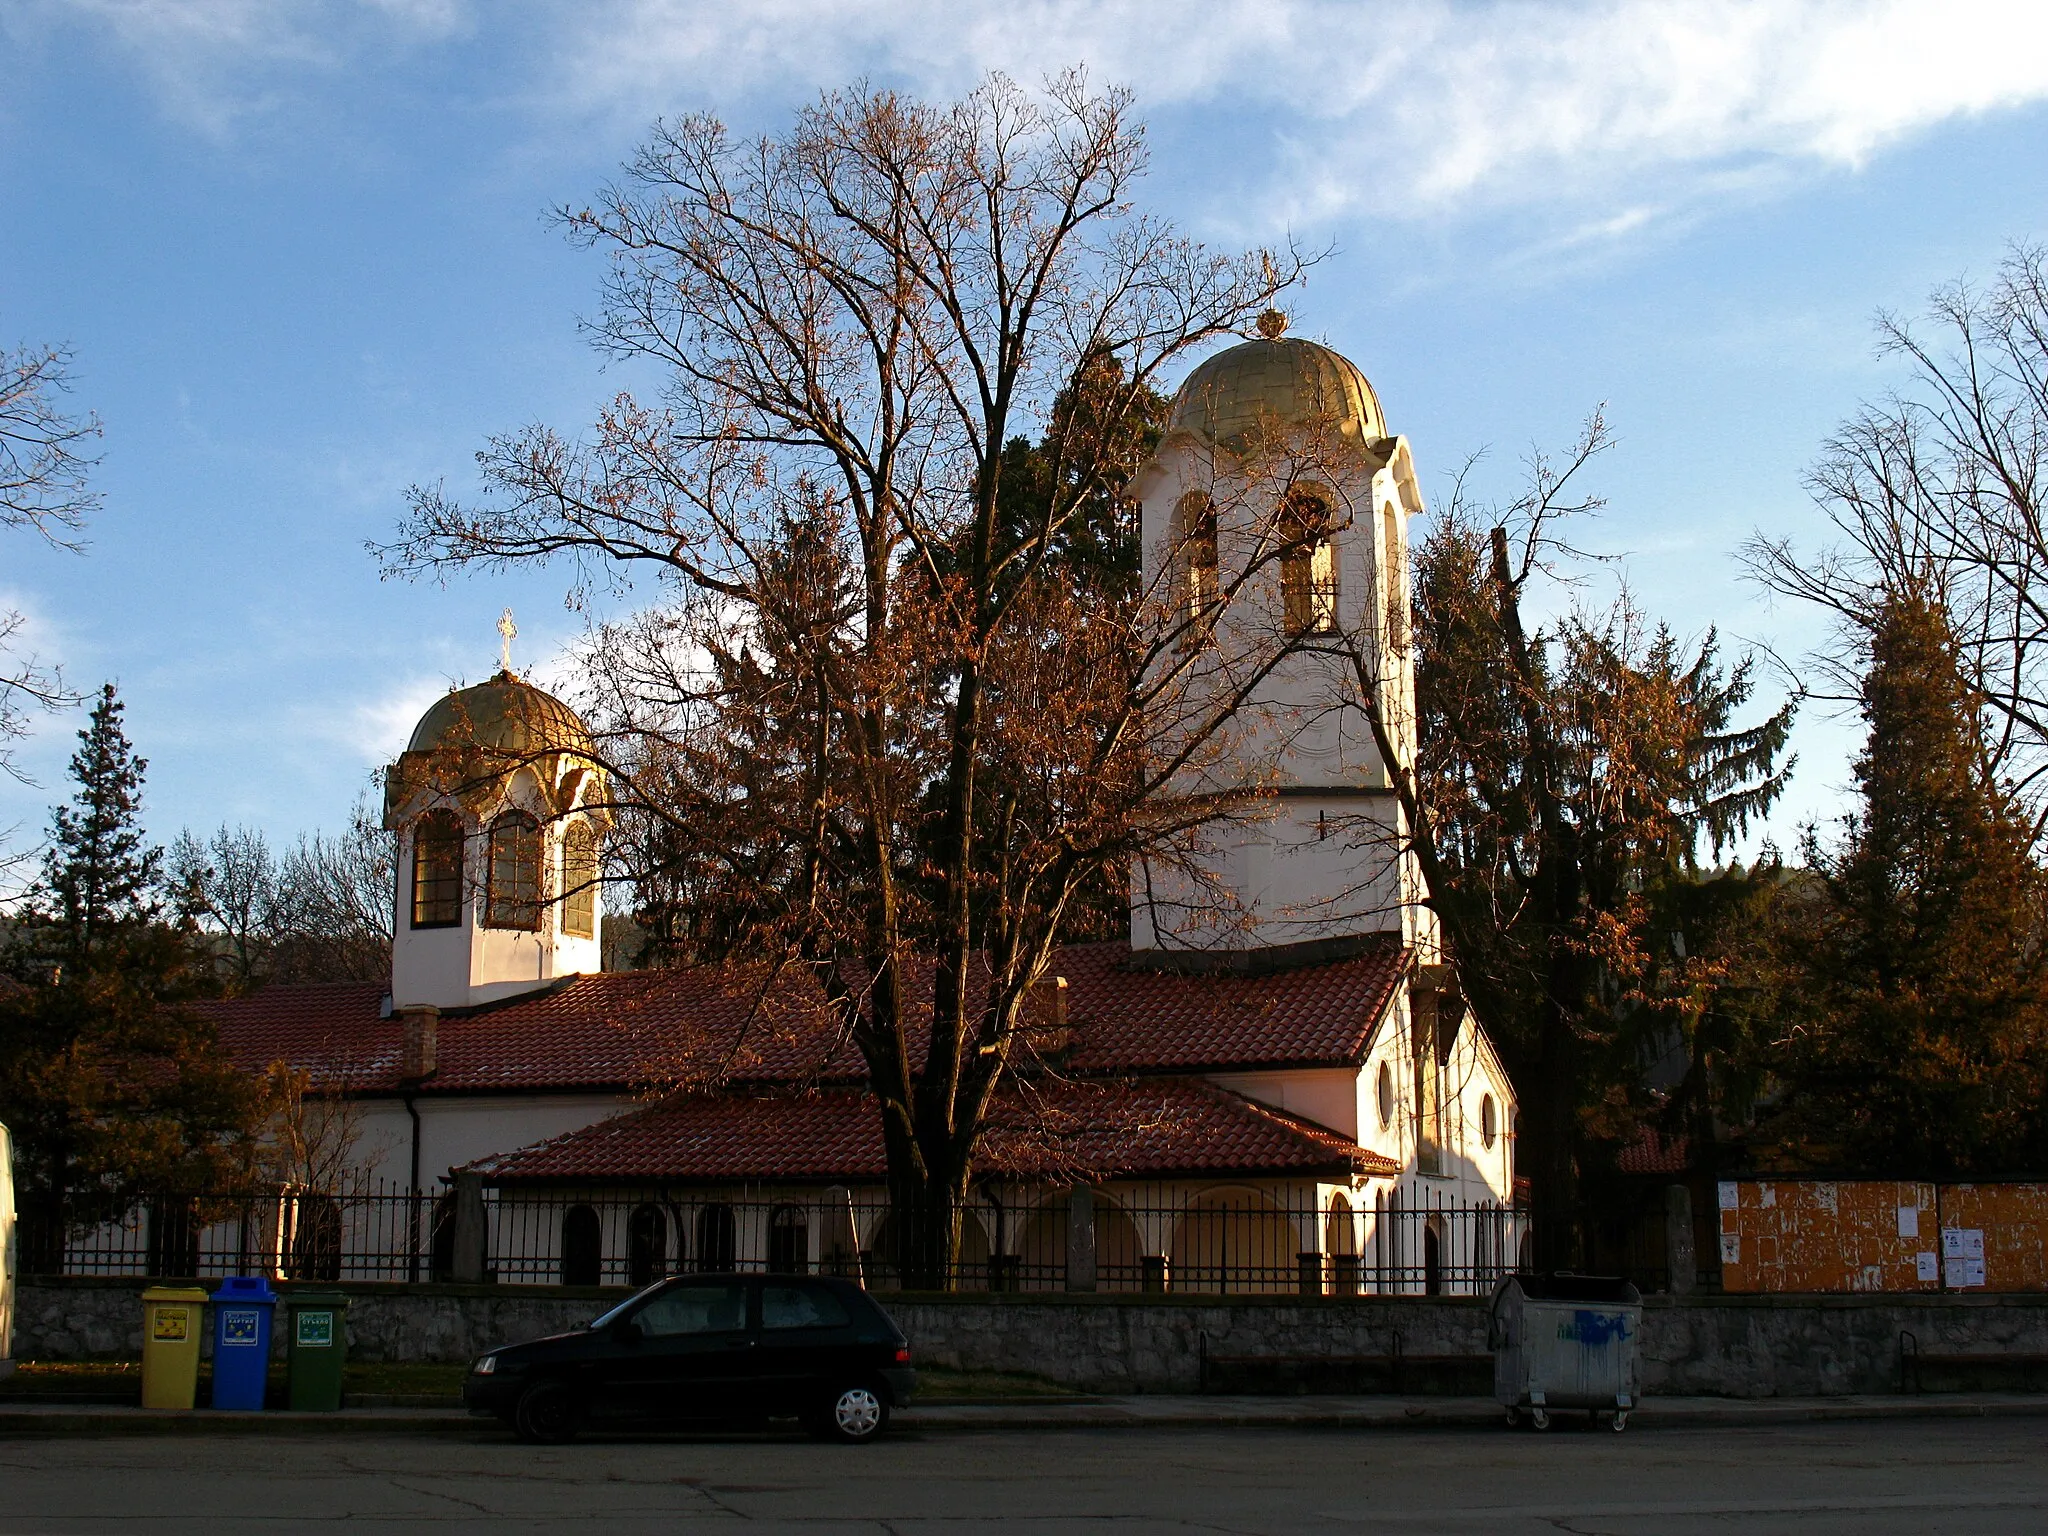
708 1349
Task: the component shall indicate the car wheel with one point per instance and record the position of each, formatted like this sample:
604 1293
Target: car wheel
853 1415
549 1413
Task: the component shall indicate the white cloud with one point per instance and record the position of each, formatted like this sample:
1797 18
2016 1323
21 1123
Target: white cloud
1412 106
1404 108
374 731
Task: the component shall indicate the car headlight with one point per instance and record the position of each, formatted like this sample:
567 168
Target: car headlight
487 1366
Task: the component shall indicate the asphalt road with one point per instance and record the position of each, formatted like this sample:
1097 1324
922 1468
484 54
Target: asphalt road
1980 1477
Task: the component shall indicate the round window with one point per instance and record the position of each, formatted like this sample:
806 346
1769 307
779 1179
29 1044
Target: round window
1489 1121
1386 1094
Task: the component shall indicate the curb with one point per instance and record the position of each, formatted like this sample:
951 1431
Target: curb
1102 1413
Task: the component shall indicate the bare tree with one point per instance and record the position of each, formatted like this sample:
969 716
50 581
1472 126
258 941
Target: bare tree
228 885
43 488
335 904
321 912
867 715
1942 489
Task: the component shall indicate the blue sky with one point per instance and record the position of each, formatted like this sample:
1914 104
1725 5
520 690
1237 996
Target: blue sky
299 248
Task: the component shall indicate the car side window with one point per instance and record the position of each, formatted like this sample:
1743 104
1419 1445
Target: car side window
800 1306
694 1309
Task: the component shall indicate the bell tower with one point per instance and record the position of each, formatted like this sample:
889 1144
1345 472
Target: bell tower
500 811
1275 535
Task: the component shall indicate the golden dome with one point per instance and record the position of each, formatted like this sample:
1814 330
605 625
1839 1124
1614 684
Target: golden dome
504 715
1278 382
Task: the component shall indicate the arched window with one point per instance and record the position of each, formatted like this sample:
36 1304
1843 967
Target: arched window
715 1239
1391 578
1489 1122
1308 565
579 881
1197 533
514 894
582 1246
646 1245
789 1241
437 870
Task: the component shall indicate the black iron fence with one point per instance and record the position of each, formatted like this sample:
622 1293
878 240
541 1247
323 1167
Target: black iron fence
367 1232
1235 1241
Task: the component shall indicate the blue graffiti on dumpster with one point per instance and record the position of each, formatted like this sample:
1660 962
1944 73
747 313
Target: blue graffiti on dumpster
1593 1329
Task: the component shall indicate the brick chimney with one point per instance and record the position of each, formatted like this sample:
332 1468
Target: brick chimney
417 1058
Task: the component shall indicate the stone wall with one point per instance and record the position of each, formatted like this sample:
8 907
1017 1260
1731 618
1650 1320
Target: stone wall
1732 1346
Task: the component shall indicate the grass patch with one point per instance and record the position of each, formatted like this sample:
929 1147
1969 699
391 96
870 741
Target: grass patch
937 1384
66 1378
434 1380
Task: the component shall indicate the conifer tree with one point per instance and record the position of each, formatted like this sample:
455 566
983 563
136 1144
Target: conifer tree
100 873
1908 978
111 1084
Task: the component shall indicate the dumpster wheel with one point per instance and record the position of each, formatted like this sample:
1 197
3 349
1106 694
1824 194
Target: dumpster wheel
1540 1417
1619 1421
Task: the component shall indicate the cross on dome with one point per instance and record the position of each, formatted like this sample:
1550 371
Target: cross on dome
507 630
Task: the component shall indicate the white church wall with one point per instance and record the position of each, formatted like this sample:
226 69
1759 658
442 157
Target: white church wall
1329 1097
1305 867
455 1131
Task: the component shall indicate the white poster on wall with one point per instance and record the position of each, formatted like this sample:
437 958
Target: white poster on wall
1909 1221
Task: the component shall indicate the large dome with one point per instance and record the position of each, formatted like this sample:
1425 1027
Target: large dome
503 715
1278 382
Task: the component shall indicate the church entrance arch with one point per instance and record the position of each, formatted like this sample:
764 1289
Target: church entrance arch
884 1263
1042 1247
582 1246
1234 1241
1340 1242
715 1239
646 1245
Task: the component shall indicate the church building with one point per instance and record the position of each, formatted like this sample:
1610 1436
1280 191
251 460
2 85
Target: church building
1286 1095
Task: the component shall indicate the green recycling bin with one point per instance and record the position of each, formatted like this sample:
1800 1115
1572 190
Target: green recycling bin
315 1347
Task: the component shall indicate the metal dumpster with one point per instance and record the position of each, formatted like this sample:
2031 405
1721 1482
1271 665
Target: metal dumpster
1565 1341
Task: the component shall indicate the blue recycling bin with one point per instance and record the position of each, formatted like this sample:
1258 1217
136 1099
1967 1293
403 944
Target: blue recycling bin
242 1310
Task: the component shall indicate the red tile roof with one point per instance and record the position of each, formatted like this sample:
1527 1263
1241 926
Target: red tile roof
1653 1152
1148 1129
626 1029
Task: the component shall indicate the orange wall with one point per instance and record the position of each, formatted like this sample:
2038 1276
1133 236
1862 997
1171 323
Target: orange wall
1783 1235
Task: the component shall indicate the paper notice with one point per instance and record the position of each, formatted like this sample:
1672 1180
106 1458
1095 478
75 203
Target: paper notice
1951 1242
1730 1197
1731 1248
1909 1221
1973 1242
1963 1274
1926 1268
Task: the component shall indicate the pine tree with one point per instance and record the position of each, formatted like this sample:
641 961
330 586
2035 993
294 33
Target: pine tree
100 873
1909 986
111 1084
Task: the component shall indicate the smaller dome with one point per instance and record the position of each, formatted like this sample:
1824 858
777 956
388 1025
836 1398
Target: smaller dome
503 715
1278 382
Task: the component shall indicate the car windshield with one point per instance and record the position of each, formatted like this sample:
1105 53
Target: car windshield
622 1308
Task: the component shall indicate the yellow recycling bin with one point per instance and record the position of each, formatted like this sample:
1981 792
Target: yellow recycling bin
172 1326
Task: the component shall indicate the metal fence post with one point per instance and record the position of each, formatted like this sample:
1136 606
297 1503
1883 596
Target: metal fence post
1081 1239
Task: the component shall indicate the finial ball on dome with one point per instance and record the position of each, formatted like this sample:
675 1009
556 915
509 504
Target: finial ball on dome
1272 324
